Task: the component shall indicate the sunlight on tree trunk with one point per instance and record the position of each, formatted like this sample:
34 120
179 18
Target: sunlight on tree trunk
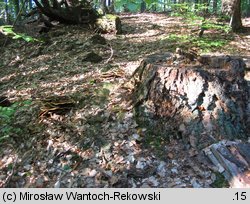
235 21
233 8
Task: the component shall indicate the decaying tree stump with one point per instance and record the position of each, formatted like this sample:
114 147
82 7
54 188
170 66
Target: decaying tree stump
205 100
109 24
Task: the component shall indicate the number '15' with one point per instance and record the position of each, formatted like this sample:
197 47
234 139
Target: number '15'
241 196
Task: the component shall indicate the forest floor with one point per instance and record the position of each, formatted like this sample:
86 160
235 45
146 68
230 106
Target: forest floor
97 142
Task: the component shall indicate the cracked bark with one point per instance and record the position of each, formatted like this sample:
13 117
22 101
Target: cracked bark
208 99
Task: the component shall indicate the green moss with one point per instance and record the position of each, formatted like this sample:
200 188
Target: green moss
110 16
220 181
7 119
156 135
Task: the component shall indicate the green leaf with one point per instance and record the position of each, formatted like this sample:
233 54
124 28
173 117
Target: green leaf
27 102
8 30
28 38
17 37
4 137
66 167
149 1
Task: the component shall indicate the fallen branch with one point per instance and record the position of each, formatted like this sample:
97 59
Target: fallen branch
111 54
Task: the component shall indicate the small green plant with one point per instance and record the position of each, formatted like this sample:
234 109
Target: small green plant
196 16
7 117
220 181
206 44
208 24
8 31
189 11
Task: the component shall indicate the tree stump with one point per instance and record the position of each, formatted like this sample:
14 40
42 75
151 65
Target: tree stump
109 24
203 101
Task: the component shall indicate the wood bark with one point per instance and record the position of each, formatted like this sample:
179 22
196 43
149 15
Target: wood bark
235 22
70 13
233 9
232 159
206 99
109 24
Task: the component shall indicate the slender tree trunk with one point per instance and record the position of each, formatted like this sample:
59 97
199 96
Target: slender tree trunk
233 8
30 4
2 12
7 15
215 4
235 21
248 6
16 7
143 6
104 6
112 7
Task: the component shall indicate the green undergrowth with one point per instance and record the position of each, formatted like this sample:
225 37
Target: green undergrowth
9 31
157 134
7 118
206 44
196 19
210 25
220 181
187 10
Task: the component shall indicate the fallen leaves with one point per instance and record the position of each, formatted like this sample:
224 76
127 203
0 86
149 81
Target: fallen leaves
97 142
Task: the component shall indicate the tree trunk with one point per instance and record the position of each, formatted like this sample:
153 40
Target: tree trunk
235 22
203 101
16 7
215 3
109 24
7 15
30 4
233 8
104 6
143 6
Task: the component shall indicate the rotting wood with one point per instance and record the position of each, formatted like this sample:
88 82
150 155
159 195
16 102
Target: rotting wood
206 98
109 24
235 166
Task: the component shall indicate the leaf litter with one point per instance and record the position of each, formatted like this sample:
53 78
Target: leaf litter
97 141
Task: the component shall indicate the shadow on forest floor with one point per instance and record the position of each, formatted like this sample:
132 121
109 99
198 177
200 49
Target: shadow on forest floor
97 143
